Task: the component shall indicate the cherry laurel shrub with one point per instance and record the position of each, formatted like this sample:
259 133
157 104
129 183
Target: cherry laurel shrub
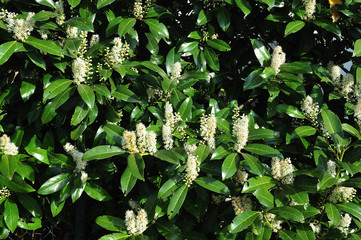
189 119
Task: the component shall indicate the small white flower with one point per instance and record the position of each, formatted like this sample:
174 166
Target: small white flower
240 131
331 168
345 223
94 40
275 224
278 58
118 53
151 142
282 170
310 6
138 9
129 141
141 137
310 109
335 73
208 129
59 10
342 194
347 84
8 147
130 222
81 69
77 157
176 73
141 221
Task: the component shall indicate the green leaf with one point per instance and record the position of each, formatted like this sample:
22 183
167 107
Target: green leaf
261 52
55 184
326 181
56 88
11 214
287 235
122 93
168 187
264 197
136 165
356 50
293 27
211 58
203 152
48 3
259 134
6 50
80 112
74 3
305 232
220 152
224 18
301 197
102 152
49 113
333 125
127 181
219 45
328 26
303 131
351 208
262 150
84 24
102 90
44 45
8 165
104 3
257 182
168 156
176 201
351 130
253 80
223 125
352 182
188 47
96 192
169 230
296 68
120 236
333 214
125 25
255 164
213 185
87 94
35 224
110 223
17 184
202 18
157 28
288 213
30 204
244 6
243 220
290 110
230 166
185 110
27 89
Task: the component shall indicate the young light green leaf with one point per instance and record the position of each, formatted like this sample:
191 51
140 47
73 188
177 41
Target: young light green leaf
357 48
202 18
11 214
6 50
230 166
125 25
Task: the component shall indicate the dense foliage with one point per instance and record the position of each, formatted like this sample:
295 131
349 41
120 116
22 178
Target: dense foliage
197 119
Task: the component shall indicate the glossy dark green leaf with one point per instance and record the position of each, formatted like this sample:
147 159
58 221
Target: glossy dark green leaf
96 192
121 236
11 214
326 181
87 94
288 213
255 183
17 184
104 3
261 52
243 220
122 93
219 45
168 187
188 47
333 214
110 223
357 48
157 28
127 181
56 88
303 131
169 230
81 23
262 150
6 50
211 58
264 197
30 204
48 113
254 163
294 26
296 68
74 3
55 184
177 201
44 45
333 125
223 125
244 6
185 110
213 185
34 225
202 152
351 208
102 152
80 112
136 165
168 156
253 80
8 165
290 110
287 235
224 18
220 153
328 26
230 165
27 89
48 3
202 18
125 25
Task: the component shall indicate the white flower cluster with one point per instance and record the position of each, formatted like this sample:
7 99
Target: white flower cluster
19 27
342 194
140 140
331 168
118 53
94 40
138 9
4 193
345 223
59 10
357 112
8 147
335 72
347 85
316 227
241 205
282 170
241 176
278 58
275 224
72 32
310 109
136 224
192 165
170 120
208 129
81 69
310 7
176 73
77 156
240 131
